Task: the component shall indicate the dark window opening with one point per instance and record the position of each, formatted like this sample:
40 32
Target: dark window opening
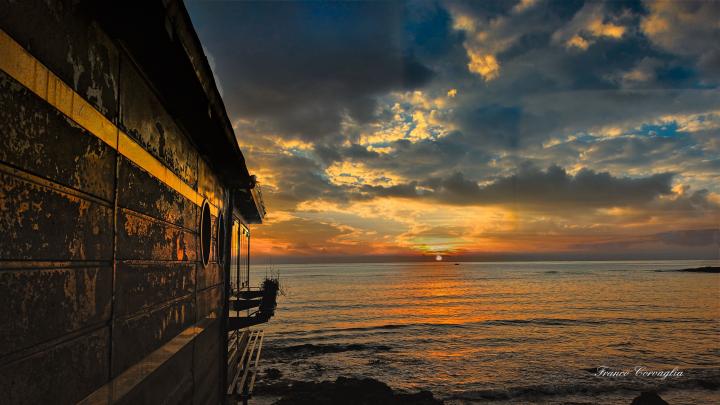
220 239
205 226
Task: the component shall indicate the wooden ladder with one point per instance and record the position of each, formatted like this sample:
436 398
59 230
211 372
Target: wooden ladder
245 348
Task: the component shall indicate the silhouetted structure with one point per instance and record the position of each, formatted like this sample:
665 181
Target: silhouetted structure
124 208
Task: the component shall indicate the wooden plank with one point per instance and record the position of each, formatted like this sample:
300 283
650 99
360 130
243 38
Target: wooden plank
241 386
251 341
255 367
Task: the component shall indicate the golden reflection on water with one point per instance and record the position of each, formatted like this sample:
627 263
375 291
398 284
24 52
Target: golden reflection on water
479 326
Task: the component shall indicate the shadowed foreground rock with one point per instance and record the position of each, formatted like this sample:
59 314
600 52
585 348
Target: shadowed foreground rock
648 398
352 391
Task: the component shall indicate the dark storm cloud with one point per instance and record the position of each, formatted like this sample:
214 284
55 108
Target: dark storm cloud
686 238
552 188
542 116
691 237
422 159
545 88
302 66
688 28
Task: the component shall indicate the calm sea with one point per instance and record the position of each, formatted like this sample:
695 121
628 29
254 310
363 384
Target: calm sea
502 332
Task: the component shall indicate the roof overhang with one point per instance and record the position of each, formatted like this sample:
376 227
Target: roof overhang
249 202
160 39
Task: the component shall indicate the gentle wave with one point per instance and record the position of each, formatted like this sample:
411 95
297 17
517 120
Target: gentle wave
498 331
309 349
501 322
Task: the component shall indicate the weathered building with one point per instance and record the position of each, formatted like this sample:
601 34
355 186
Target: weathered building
124 206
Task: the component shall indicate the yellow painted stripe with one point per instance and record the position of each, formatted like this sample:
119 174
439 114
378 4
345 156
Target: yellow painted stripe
141 157
28 71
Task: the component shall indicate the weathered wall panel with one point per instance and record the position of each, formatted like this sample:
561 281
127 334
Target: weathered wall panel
41 140
208 276
207 365
139 191
48 224
63 36
140 286
143 238
134 338
209 302
63 374
209 185
171 383
42 304
145 119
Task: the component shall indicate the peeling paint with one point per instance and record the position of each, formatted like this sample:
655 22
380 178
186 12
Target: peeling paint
145 119
143 238
41 304
40 222
35 136
60 136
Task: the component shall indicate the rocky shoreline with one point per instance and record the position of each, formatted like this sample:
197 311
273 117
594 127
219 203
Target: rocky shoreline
344 390
366 391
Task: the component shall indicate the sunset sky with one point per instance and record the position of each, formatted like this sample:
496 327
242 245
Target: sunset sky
477 130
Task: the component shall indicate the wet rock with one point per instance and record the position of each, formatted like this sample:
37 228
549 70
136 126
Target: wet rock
352 391
419 398
649 398
273 373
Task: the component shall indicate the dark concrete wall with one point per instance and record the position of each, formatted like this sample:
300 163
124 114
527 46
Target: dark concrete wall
99 260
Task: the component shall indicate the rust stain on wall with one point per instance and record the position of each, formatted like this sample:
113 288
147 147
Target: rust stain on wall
43 223
143 238
44 141
145 119
41 304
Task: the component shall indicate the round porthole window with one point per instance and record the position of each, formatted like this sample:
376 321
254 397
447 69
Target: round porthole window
220 239
205 225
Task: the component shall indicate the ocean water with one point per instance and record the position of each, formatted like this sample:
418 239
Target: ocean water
524 332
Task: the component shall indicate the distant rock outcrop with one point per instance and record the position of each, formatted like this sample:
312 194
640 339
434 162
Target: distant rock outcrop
352 391
649 398
706 269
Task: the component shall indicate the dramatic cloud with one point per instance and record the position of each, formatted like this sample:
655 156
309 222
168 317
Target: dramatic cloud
553 188
301 68
572 128
589 23
688 28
